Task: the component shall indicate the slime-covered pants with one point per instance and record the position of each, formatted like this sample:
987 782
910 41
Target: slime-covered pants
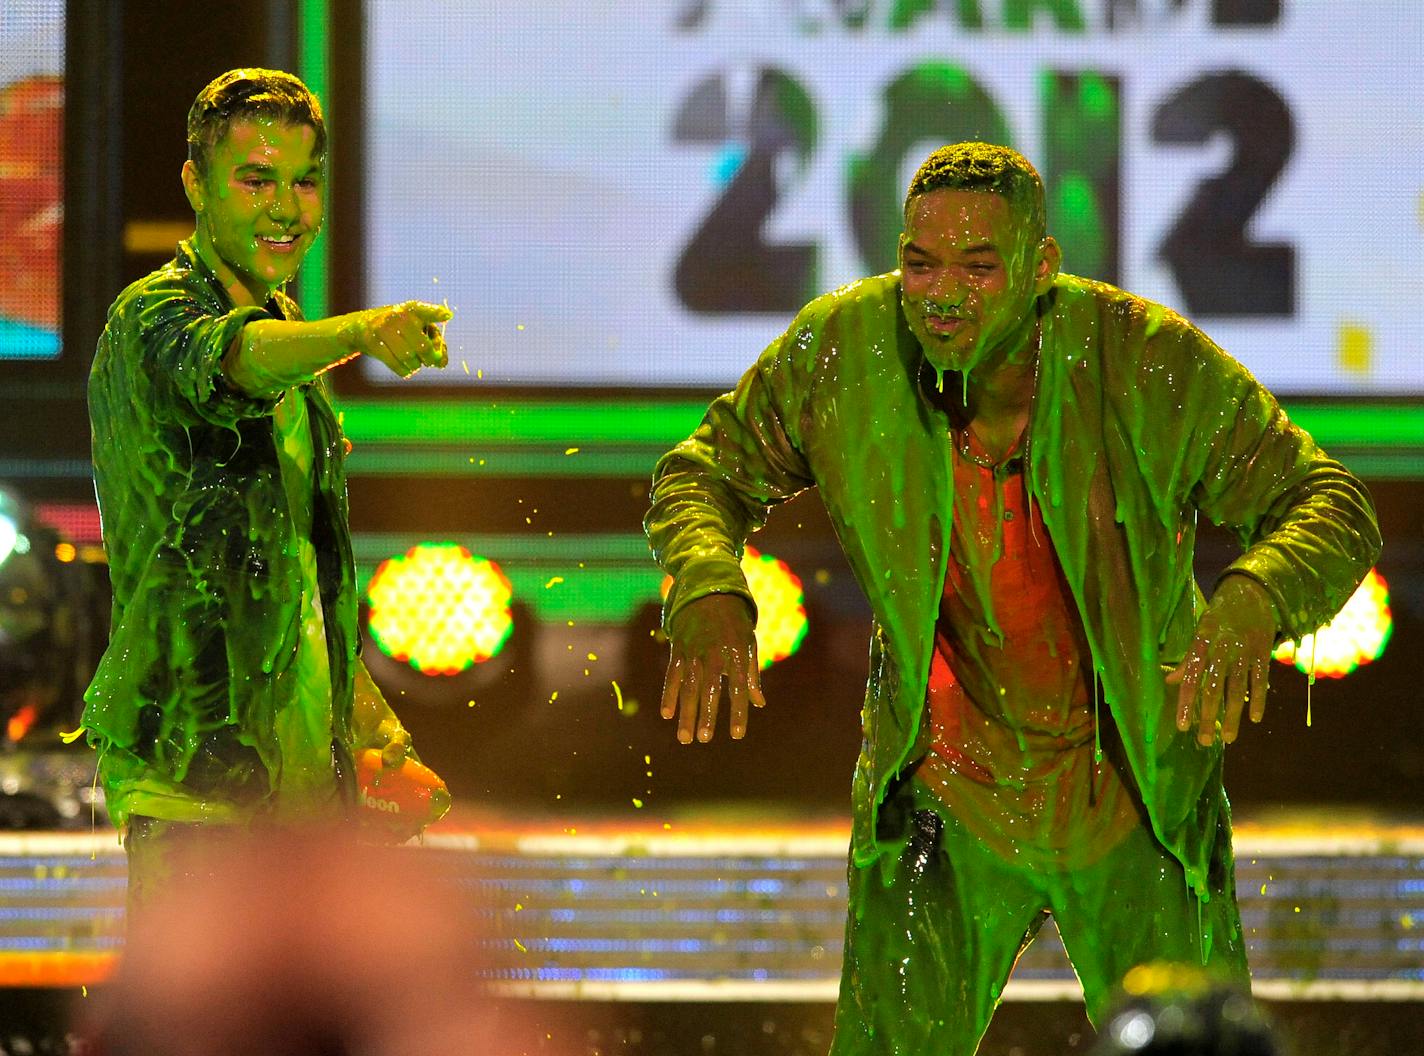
933 933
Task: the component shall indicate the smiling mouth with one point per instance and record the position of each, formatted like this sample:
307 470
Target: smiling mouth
280 244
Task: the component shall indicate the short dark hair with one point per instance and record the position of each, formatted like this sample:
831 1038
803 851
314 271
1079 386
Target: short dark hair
985 167
245 93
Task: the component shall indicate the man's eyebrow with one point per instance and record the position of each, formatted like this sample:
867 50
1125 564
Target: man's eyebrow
979 249
257 168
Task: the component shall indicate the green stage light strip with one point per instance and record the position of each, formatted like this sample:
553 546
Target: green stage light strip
543 437
647 421
514 438
313 67
517 438
1361 425
479 419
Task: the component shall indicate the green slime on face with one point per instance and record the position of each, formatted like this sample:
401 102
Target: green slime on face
970 263
259 207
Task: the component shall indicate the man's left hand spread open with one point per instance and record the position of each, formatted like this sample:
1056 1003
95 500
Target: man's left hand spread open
1228 663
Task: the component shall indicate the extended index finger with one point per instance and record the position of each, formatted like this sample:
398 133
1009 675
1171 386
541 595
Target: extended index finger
427 312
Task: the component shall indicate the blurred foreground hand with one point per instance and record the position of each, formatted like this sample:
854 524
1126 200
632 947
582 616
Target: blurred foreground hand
302 942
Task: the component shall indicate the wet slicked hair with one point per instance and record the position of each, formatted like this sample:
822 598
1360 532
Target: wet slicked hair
249 93
985 167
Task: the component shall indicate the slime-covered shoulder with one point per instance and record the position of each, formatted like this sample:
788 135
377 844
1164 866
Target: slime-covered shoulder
713 489
857 319
166 328
849 306
1207 435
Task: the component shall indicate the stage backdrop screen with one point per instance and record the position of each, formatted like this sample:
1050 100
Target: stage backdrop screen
644 194
31 176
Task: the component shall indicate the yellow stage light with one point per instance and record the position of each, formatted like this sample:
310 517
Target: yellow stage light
781 606
439 608
1357 635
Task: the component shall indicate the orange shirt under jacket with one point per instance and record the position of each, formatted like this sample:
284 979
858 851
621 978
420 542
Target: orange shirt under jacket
1011 705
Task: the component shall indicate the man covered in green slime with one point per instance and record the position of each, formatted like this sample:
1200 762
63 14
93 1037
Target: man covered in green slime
231 692
1014 460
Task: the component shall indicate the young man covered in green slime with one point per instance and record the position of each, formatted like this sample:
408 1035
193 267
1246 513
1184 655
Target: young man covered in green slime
231 691
1014 460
